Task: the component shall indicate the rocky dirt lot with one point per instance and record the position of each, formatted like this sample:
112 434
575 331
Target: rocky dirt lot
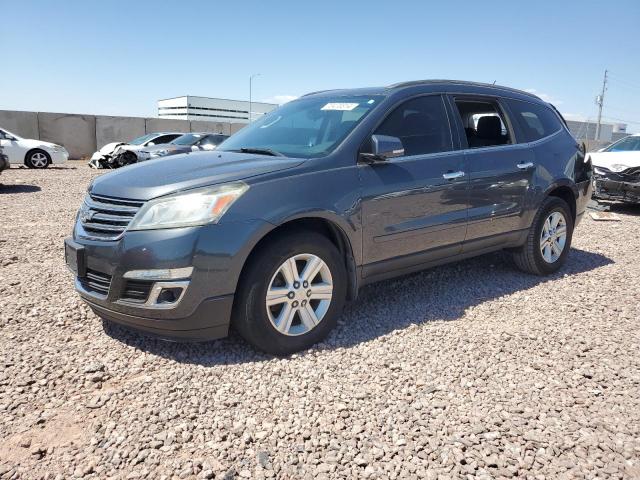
472 370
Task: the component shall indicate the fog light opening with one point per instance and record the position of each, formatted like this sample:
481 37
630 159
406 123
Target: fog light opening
169 295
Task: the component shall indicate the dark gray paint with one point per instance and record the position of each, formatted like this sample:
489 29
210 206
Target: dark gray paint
396 216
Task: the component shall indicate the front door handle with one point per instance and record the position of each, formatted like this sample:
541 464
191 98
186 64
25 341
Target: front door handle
452 175
525 166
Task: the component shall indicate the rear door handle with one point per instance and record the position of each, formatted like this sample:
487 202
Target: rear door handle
452 175
525 166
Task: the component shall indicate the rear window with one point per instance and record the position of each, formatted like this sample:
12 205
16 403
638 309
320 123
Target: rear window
535 121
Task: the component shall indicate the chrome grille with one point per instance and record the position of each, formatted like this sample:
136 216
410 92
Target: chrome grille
96 282
137 290
105 217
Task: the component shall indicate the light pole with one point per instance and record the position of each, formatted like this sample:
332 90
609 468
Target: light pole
250 85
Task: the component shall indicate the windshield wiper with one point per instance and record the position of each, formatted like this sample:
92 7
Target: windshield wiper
261 151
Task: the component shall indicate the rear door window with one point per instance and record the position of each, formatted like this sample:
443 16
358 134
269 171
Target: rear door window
484 122
536 121
421 124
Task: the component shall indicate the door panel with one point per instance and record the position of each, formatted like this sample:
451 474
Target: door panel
408 207
498 189
500 170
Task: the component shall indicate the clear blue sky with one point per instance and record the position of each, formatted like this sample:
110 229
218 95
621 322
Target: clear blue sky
119 57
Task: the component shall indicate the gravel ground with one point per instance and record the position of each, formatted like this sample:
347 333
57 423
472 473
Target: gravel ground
464 371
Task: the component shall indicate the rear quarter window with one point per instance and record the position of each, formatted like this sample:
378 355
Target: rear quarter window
535 121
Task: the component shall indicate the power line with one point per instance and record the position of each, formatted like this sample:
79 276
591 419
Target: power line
623 120
609 107
625 83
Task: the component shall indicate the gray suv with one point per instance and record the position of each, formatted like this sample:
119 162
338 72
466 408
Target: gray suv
281 225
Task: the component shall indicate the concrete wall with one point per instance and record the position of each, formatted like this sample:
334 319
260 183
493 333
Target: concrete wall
118 129
236 126
82 135
166 125
217 127
24 124
76 132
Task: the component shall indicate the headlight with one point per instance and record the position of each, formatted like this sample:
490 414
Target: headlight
197 207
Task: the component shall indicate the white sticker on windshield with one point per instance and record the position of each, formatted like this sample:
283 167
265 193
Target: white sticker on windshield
340 106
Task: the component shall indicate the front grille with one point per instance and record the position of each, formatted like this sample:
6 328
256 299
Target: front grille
137 290
96 282
107 218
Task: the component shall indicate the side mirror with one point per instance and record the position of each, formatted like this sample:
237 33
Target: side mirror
151 144
383 148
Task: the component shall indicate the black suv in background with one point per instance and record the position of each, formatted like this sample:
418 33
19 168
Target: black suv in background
4 161
274 230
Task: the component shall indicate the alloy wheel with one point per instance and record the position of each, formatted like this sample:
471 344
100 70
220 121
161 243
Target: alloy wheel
39 160
299 294
553 237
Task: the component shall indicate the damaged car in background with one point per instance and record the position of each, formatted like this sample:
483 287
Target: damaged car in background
616 171
119 154
189 142
181 143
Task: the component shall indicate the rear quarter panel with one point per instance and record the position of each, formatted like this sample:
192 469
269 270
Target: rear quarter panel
560 162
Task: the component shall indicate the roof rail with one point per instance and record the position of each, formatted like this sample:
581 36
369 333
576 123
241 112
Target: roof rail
318 91
460 82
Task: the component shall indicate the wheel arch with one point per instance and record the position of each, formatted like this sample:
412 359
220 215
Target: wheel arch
319 222
567 191
33 150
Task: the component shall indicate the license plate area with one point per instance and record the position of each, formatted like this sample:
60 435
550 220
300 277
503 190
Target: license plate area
75 257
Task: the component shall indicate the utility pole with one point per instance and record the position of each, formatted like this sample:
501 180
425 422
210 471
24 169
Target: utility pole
600 103
250 84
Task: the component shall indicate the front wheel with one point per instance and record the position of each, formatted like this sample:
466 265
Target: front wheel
291 294
549 239
38 159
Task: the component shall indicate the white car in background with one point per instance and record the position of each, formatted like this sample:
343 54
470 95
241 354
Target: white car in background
32 153
105 157
616 170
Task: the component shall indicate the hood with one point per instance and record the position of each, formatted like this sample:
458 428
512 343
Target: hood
608 159
30 143
108 149
155 178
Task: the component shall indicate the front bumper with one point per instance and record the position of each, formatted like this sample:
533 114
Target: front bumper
215 252
617 189
59 156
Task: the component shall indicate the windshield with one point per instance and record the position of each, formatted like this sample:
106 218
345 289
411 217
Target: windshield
143 139
187 139
309 127
627 144
7 132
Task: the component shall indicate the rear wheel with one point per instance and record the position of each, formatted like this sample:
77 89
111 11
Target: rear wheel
549 239
37 159
292 294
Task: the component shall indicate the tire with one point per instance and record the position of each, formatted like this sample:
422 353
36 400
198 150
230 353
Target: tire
530 258
38 159
257 323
